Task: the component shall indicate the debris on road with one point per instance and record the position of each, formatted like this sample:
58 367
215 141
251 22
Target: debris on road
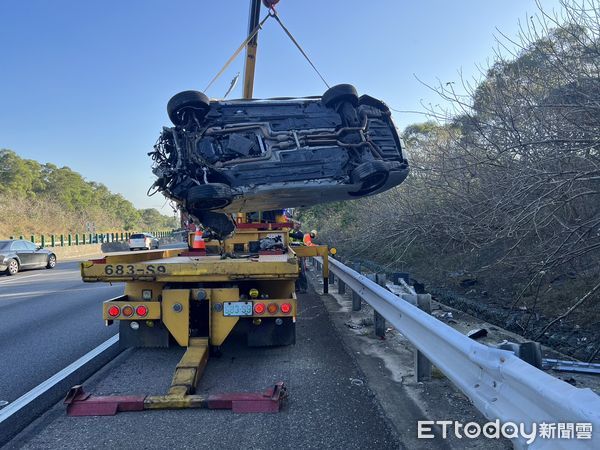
477 333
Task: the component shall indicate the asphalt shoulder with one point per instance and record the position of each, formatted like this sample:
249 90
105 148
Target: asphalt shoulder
326 407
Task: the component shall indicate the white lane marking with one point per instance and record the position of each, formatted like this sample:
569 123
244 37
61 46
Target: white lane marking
36 293
45 386
39 276
19 278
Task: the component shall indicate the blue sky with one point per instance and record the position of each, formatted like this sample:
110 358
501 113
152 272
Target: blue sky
85 83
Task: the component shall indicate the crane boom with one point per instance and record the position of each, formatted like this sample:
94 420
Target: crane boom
251 50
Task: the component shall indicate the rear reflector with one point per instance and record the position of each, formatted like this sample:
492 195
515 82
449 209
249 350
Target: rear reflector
127 311
259 308
273 308
114 311
286 308
141 311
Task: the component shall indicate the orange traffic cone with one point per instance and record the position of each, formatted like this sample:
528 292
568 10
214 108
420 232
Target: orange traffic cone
198 243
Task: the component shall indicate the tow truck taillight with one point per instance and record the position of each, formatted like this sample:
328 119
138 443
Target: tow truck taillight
142 311
272 308
114 311
127 311
259 308
286 308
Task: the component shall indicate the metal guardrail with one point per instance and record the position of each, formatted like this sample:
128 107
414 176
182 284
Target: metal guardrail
499 384
68 240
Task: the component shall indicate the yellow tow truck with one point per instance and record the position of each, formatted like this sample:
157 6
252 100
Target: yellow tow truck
194 298
174 295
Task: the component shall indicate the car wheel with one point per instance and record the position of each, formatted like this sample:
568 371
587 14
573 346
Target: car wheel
13 267
185 103
339 94
51 262
372 175
210 196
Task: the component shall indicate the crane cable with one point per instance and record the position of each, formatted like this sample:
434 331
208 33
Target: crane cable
272 13
238 51
298 46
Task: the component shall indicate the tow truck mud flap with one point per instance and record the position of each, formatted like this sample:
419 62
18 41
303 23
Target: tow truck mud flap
268 333
156 335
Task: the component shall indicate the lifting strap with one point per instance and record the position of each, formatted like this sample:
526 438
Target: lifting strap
272 13
238 51
299 47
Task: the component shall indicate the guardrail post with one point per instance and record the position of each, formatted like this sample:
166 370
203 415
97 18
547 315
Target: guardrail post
83 238
356 303
69 239
341 287
62 240
122 236
380 279
52 240
33 238
42 241
77 239
21 237
112 237
422 364
331 278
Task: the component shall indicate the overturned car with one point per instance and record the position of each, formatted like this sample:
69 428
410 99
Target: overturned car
257 155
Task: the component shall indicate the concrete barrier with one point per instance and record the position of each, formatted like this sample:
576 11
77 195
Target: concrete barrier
76 251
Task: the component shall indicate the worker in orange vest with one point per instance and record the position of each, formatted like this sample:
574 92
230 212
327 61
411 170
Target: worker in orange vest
308 237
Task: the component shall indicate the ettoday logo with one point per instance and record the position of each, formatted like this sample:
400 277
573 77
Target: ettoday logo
509 430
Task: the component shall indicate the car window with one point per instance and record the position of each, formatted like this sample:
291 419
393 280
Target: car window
30 246
19 246
4 245
137 236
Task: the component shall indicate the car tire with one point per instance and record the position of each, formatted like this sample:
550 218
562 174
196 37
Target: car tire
51 261
336 95
210 196
372 175
191 101
13 267
374 102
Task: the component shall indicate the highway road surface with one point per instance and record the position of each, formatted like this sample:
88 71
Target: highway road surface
48 319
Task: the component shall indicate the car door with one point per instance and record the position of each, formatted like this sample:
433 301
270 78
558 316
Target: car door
25 254
40 256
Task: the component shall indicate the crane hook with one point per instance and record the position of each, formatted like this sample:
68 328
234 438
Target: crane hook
270 4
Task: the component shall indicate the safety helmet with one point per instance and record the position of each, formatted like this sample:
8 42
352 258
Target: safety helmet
313 233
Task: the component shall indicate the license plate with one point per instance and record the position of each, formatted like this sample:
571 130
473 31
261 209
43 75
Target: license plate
237 309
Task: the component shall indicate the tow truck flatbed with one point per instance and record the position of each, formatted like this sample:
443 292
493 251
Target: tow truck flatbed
169 266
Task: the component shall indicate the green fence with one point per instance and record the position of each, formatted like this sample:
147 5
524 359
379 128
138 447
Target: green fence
68 240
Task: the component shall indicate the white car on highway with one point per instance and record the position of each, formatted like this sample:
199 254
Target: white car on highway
142 241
